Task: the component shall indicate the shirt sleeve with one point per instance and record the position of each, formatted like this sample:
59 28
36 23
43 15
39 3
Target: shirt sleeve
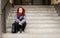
24 20
17 20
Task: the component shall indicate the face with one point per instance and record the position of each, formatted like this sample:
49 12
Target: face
20 10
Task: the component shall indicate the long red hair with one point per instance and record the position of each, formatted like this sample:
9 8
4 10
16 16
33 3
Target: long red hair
20 14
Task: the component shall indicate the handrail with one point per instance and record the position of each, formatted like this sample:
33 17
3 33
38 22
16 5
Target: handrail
4 18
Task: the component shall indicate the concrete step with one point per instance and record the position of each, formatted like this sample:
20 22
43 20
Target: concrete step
34 24
36 21
41 12
42 17
46 6
39 30
31 13
41 9
35 11
35 6
13 11
43 30
38 26
36 14
42 21
26 35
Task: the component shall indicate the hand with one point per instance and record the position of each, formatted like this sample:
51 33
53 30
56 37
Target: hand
20 24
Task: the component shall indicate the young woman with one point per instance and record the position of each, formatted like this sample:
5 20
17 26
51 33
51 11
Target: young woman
20 21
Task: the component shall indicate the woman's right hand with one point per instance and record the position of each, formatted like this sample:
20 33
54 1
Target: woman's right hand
20 24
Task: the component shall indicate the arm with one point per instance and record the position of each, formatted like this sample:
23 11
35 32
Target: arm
24 20
17 20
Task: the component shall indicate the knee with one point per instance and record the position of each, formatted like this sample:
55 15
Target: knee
13 24
24 23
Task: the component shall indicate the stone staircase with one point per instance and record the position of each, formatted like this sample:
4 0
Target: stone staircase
42 22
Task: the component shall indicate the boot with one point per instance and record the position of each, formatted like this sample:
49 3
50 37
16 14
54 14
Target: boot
13 28
20 30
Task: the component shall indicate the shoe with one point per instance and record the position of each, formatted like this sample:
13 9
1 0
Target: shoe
20 30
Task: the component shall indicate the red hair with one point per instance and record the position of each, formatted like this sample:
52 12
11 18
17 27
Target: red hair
19 14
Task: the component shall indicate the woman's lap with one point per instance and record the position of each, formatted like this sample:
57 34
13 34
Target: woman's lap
18 27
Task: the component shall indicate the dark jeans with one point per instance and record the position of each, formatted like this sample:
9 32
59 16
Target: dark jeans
16 27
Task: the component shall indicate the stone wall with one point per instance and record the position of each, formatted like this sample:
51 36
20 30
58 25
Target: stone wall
0 27
55 1
57 7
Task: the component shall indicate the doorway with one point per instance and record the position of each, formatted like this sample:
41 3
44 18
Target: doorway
32 2
17 2
23 2
46 2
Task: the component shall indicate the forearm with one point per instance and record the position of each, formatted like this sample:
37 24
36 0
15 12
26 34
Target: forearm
24 20
17 20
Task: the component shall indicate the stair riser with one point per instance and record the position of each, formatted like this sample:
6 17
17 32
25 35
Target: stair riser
35 6
35 11
36 21
32 9
37 18
29 15
37 15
